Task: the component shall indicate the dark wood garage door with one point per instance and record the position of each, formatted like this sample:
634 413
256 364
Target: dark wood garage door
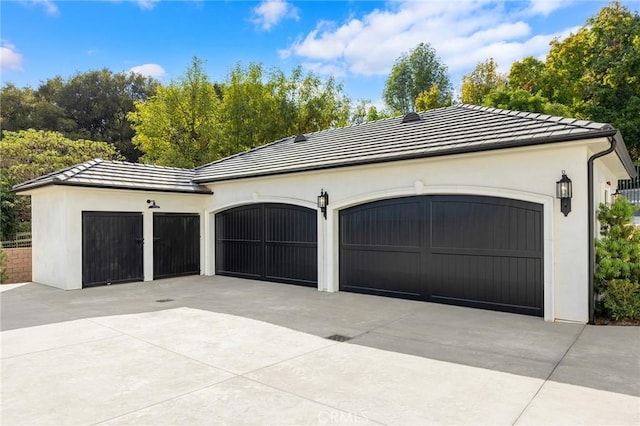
112 250
473 251
176 244
271 242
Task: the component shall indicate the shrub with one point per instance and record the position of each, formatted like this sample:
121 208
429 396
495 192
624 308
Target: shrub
622 300
617 275
4 274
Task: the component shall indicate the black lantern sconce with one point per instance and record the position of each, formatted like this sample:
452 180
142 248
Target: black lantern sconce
564 191
323 202
616 194
153 204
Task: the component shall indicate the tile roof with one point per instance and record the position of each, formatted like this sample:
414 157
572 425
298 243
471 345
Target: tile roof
443 131
121 175
455 129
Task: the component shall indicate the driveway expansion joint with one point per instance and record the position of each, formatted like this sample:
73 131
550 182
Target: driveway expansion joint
575 340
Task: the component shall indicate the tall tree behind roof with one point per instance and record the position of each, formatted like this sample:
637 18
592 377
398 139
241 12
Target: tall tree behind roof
413 73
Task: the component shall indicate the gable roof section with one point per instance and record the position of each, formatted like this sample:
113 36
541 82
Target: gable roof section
120 175
443 131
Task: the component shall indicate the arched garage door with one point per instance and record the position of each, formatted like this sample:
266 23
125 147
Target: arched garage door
271 242
473 251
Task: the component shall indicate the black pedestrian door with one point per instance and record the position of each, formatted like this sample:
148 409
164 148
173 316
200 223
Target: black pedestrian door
112 248
176 244
271 242
483 252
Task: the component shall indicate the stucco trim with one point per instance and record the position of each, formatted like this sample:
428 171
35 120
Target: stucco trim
332 227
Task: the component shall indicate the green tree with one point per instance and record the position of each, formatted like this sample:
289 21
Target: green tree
250 108
178 125
27 154
596 71
430 99
412 74
25 108
478 83
99 101
522 100
527 74
90 105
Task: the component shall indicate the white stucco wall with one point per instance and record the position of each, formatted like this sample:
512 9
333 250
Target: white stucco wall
57 227
527 174
49 254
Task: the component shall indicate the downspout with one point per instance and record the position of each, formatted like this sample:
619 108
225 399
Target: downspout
591 210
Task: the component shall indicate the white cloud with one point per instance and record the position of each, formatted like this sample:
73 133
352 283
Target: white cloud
270 13
545 7
10 59
49 6
149 70
325 69
463 34
146 4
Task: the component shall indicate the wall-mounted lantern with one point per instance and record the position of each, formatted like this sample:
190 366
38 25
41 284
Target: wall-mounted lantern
564 192
615 195
153 204
323 202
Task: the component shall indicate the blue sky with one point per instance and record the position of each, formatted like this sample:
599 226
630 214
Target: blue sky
354 41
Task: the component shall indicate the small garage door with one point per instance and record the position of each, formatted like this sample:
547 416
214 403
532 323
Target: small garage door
271 242
473 251
111 248
176 244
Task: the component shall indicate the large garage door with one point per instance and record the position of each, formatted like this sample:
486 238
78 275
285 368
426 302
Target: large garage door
465 250
111 248
176 244
272 242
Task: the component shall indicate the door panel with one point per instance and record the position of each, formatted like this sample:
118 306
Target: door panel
176 244
272 242
466 250
112 248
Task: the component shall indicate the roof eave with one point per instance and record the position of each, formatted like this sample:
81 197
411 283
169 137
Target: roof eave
202 191
623 155
604 133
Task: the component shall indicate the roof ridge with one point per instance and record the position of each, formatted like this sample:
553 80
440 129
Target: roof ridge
75 170
145 165
539 116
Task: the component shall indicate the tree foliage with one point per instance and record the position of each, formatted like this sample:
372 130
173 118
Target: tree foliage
593 74
527 75
414 73
432 98
27 154
177 125
90 105
193 121
597 71
480 82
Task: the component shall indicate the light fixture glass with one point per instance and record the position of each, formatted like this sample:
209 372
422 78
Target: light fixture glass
323 202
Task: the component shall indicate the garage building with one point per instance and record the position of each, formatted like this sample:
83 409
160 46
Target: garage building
455 205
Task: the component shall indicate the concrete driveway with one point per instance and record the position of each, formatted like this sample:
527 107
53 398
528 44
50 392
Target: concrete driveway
203 350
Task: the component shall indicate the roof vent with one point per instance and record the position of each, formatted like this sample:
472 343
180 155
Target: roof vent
411 117
300 138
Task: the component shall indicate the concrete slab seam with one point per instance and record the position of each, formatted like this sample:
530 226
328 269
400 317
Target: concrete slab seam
168 399
311 400
168 350
544 382
63 346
